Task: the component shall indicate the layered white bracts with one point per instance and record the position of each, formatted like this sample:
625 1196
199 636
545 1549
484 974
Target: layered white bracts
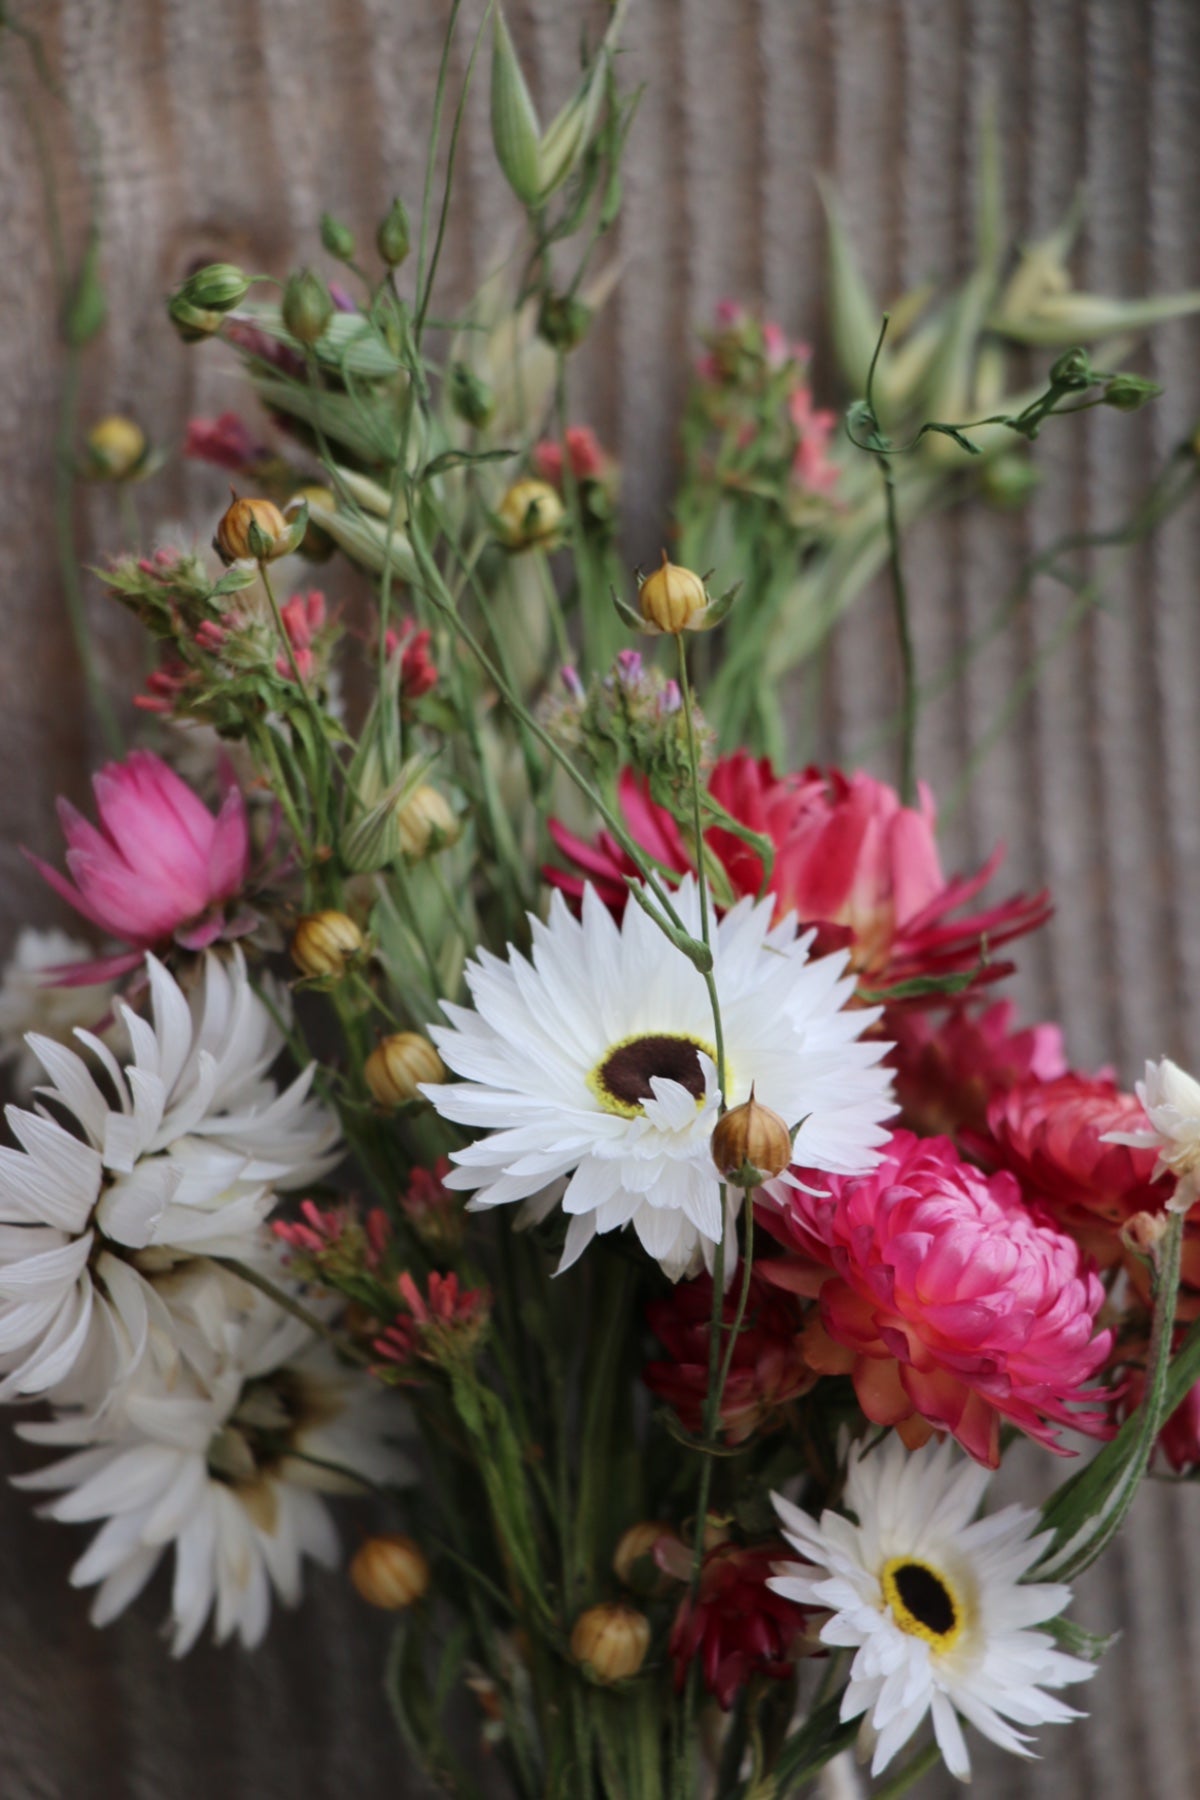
597 1061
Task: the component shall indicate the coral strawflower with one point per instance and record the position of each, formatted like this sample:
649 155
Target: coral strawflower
849 859
951 1303
159 868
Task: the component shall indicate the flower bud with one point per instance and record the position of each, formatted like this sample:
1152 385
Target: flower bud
252 529
116 448
1073 370
193 323
471 399
672 599
530 513
307 307
1128 392
751 1144
516 133
563 320
216 288
390 1571
324 942
427 823
633 1559
393 237
398 1063
610 1642
337 238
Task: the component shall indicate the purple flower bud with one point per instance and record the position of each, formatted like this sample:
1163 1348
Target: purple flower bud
629 666
343 300
571 681
670 700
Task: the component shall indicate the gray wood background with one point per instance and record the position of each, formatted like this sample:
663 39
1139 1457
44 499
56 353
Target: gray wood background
223 129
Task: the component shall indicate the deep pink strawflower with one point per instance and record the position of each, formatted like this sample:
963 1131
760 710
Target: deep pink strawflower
589 461
303 617
1051 1136
949 1069
951 1303
226 441
434 1211
849 859
418 671
769 1368
159 868
737 1627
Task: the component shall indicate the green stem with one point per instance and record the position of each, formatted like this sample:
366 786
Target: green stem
289 1304
906 1778
904 638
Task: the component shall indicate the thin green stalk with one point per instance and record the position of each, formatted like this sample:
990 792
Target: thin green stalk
423 296
435 132
906 1778
289 1304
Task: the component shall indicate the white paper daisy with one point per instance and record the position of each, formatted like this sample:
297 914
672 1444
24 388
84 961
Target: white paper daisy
228 1474
180 1151
597 1060
932 1601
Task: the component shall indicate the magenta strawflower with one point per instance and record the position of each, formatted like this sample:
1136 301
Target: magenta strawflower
736 1626
159 868
951 1303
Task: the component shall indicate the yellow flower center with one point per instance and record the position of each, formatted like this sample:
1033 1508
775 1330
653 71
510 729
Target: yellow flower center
923 1601
621 1079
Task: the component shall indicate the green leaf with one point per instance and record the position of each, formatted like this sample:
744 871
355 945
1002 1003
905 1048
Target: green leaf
453 459
1086 1512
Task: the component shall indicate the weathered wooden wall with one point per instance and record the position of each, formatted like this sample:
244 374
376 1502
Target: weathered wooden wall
223 128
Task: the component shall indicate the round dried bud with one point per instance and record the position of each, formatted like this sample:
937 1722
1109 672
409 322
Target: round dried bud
672 599
307 307
750 1144
633 1559
398 1063
393 237
426 823
215 288
563 320
390 1571
530 513
324 942
610 1642
116 447
246 525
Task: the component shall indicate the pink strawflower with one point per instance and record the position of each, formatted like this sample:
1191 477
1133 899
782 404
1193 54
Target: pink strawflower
442 1325
589 462
769 1368
418 671
951 1303
335 1240
158 869
304 615
226 441
163 687
1051 1136
737 1627
949 1069
849 859
811 465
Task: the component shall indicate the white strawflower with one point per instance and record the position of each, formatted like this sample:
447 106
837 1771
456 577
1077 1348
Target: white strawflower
29 1002
228 1474
597 1059
179 1153
1171 1102
932 1601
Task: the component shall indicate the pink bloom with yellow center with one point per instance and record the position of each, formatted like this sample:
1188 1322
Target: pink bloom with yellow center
951 1304
158 868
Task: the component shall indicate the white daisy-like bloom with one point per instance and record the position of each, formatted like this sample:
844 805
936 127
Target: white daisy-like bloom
596 1060
228 1474
932 1601
29 1000
181 1152
1171 1102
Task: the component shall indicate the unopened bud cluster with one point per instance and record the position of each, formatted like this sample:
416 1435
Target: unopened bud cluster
398 1064
610 1642
324 943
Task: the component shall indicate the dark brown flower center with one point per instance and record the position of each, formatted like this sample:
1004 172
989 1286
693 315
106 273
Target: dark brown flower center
925 1599
622 1080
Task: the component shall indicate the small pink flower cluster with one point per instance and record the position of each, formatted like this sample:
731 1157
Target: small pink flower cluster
418 671
304 616
444 1324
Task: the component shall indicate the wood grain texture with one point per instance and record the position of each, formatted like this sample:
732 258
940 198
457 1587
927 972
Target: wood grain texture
223 129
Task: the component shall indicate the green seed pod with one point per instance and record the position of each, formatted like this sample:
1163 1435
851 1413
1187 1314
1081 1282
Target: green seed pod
393 238
216 288
337 238
307 307
471 399
563 321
